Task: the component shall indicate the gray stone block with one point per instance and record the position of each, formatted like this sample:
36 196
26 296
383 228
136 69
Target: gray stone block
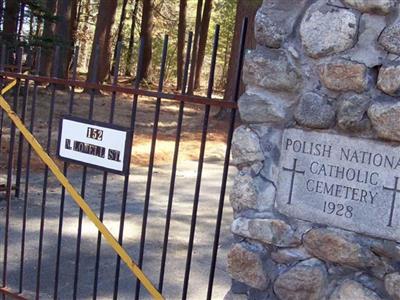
382 7
392 285
314 111
352 113
389 79
246 148
350 289
268 231
344 76
385 120
328 29
275 20
367 51
272 70
390 38
305 281
263 107
246 266
339 247
340 181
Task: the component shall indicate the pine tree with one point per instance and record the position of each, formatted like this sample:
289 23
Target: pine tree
102 39
119 33
181 42
10 25
147 37
245 8
205 24
129 56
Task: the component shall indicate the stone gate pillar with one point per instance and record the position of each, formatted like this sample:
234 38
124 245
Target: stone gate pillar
317 197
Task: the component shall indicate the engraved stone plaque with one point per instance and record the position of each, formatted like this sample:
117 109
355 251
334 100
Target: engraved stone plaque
345 182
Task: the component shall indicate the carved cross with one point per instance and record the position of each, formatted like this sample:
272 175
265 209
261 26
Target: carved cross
395 190
294 171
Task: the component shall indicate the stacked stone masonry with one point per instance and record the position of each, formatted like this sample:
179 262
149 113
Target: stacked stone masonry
327 66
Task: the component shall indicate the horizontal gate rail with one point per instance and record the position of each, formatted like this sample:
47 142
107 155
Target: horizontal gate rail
120 89
9 293
49 162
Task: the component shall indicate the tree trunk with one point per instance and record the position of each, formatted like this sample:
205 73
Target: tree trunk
10 25
1 13
223 79
64 35
181 43
205 24
83 57
195 47
245 8
47 39
21 21
146 35
129 56
39 23
102 38
119 32
31 19
31 53
75 16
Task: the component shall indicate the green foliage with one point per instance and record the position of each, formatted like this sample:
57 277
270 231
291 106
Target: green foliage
166 19
39 9
224 13
35 14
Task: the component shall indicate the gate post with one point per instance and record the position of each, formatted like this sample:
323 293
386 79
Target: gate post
314 130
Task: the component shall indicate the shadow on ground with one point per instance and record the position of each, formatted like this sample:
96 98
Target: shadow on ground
177 247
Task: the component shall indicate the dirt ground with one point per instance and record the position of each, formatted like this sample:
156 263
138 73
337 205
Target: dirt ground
182 207
178 238
191 129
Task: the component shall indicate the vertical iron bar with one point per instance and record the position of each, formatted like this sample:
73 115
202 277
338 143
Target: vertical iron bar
227 159
200 165
126 178
65 172
10 170
151 163
2 63
84 177
174 164
46 174
27 173
21 141
105 174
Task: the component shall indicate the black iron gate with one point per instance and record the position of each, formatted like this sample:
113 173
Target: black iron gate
48 248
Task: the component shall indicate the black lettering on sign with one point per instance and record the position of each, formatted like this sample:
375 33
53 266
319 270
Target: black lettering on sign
95 134
68 144
114 155
89 149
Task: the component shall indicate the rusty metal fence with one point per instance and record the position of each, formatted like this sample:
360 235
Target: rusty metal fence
31 202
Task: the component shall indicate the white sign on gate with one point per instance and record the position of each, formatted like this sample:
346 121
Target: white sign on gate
95 144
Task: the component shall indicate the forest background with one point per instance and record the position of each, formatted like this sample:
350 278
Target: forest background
87 23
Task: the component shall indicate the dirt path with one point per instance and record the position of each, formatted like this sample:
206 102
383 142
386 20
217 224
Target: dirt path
191 132
181 217
182 207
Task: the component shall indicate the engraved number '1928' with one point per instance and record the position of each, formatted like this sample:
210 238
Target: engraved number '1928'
338 209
